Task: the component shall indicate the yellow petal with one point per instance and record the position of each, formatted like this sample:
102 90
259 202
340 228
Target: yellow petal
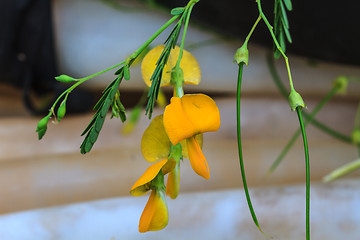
202 112
189 65
173 182
197 158
184 145
176 122
155 215
142 185
155 143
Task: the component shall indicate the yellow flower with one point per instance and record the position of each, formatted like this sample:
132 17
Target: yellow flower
155 143
188 116
155 215
188 64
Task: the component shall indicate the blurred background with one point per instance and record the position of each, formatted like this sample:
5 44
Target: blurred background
48 190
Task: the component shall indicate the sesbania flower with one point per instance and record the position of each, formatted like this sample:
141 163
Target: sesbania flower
155 215
188 116
156 145
189 65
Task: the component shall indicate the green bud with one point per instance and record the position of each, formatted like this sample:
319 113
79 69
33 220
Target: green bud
42 126
242 55
355 136
65 78
126 72
61 110
177 11
295 100
341 83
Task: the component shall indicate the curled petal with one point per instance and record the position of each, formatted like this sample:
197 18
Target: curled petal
197 158
185 153
173 182
155 215
188 64
190 115
142 185
176 122
155 143
202 112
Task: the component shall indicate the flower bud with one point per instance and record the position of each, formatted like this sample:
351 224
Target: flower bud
61 111
341 83
42 126
355 136
65 78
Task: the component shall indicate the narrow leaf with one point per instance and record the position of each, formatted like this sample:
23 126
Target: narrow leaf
288 4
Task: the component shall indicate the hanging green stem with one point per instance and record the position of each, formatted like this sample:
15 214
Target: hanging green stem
310 118
307 164
240 148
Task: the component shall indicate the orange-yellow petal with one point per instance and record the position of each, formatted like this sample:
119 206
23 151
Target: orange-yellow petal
202 112
142 185
173 182
155 215
197 158
176 122
188 64
155 143
184 145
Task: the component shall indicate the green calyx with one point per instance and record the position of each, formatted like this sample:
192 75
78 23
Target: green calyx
242 55
341 84
176 152
158 182
295 100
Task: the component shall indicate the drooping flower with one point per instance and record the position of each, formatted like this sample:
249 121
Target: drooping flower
188 64
156 145
155 215
188 116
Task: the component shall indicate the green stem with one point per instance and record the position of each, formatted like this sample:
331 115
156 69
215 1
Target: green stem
315 122
240 148
343 170
132 57
252 30
310 118
188 13
152 38
276 44
307 163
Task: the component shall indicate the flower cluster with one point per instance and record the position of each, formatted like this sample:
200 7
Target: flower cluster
172 136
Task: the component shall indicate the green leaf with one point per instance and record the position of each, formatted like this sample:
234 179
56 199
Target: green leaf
288 4
126 72
102 107
287 33
283 15
177 11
